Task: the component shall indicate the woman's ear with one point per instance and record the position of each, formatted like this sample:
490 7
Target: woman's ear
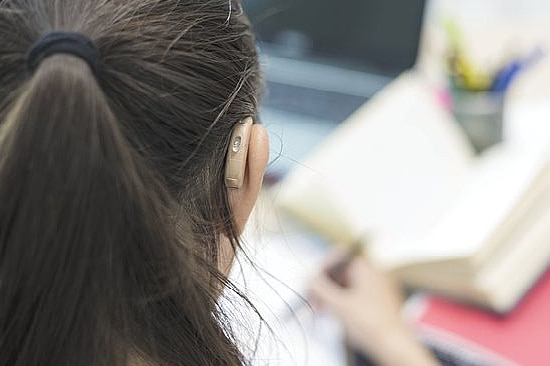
243 198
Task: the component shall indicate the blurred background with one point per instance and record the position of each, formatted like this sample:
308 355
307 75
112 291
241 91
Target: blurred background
324 59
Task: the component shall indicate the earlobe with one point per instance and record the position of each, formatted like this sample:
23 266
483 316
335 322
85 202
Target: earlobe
235 164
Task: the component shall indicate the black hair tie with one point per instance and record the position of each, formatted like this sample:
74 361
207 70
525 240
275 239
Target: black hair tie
75 44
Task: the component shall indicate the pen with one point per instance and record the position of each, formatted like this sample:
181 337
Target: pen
336 271
507 74
464 75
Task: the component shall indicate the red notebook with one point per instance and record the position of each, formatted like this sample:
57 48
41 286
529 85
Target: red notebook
474 336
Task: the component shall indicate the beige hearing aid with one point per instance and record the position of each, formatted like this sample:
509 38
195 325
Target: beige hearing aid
235 163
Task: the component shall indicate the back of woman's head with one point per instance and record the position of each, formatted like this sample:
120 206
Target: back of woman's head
111 180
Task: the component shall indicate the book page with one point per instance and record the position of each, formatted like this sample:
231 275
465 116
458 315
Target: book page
391 169
500 190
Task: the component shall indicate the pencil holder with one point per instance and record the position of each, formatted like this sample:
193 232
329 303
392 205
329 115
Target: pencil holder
480 114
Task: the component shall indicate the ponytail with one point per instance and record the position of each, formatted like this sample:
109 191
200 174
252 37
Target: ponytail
91 271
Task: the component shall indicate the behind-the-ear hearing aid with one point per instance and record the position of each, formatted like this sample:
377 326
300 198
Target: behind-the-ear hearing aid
235 163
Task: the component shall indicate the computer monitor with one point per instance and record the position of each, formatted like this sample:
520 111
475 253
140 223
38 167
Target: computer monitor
379 36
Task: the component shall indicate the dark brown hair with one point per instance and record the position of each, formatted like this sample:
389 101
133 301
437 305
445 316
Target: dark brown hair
112 200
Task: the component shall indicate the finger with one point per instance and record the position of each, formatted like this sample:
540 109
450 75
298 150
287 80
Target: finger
326 292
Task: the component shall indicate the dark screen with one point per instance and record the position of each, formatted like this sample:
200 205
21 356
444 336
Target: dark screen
373 35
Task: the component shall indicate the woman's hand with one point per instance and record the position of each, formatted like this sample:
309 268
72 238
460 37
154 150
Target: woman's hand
369 304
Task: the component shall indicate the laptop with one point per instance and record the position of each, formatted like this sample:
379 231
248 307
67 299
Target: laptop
322 59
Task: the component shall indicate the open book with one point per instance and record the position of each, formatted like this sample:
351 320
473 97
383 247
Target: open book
401 172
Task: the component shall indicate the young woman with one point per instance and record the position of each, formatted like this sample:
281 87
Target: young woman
129 165
116 118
